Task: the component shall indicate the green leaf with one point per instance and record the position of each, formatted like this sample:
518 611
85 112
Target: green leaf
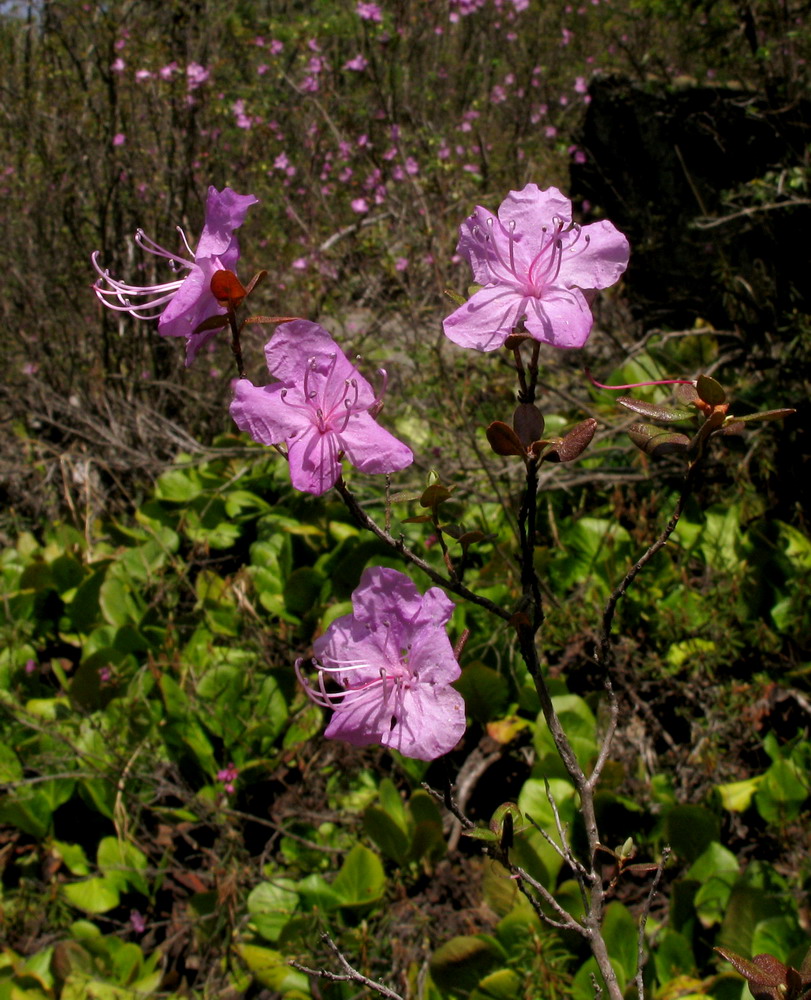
29 811
387 835
690 830
271 970
10 767
485 691
655 441
84 609
361 879
73 856
317 893
123 863
117 603
655 411
94 895
302 590
710 391
501 985
782 792
460 964
778 936
736 796
270 905
178 486
673 956
620 933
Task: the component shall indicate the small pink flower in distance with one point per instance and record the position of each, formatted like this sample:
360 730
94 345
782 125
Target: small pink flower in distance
118 65
369 12
227 776
358 64
533 263
322 408
276 47
392 664
196 75
360 205
181 305
167 72
119 139
143 74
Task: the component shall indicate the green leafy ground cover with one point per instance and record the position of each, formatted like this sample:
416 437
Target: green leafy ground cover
173 823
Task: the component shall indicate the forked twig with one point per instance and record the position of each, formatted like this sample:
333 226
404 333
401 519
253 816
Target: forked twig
350 975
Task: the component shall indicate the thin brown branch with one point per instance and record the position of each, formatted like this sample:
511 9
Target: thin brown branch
349 975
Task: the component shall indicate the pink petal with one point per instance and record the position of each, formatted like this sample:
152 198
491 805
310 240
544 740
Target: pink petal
190 305
600 262
479 251
371 448
314 465
531 209
361 719
430 723
561 317
261 412
294 344
488 317
225 212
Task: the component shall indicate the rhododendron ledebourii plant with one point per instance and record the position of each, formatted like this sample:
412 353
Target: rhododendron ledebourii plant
533 263
392 663
321 408
180 306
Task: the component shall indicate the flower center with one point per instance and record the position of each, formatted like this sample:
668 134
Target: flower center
328 402
511 264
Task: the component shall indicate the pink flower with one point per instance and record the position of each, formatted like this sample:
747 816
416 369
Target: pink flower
119 139
321 407
118 65
359 205
533 262
276 46
196 75
393 664
227 776
358 64
143 74
369 12
166 72
180 306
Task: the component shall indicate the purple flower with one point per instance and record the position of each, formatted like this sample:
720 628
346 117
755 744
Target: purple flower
369 12
181 305
533 262
196 75
393 664
358 64
321 407
227 777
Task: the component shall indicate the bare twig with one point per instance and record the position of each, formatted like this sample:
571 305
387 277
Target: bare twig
643 919
349 975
